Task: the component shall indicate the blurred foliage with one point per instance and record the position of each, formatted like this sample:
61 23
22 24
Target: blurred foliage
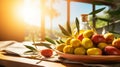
101 20
32 32
110 17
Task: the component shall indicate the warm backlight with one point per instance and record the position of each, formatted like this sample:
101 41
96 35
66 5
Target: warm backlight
31 12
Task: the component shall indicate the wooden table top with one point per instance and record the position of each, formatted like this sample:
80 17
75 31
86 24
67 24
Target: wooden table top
16 61
13 61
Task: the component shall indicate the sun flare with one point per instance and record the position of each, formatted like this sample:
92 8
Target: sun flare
32 12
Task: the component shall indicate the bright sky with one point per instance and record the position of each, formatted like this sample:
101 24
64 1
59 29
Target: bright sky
77 9
32 12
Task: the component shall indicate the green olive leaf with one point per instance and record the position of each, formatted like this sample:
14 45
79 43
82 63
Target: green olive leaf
61 41
30 52
69 28
58 42
97 11
44 44
50 40
27 52
64 31
77 24
30 47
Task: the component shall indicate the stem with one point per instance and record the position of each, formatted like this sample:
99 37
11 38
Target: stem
33 38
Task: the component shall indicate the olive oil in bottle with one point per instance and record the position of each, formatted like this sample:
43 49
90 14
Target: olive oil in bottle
84 22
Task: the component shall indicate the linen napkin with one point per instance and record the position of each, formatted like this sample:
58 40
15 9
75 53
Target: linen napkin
4 44
16 49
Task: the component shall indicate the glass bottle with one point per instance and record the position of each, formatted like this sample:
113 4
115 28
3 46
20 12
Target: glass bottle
83 25
84 22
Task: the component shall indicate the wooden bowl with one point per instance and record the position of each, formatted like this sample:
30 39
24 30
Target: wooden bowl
91 58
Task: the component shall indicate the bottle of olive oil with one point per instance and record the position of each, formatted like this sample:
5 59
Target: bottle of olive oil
84 22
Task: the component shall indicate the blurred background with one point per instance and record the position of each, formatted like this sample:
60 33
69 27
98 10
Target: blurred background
12 26
21 19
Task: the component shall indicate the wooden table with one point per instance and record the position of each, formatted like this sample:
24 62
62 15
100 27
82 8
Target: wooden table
13 61
16 61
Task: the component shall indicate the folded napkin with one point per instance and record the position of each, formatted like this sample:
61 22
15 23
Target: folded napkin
4 44
16 49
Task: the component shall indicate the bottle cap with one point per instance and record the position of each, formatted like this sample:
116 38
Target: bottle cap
84 17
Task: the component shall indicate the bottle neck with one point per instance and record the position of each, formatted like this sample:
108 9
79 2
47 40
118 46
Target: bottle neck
84 17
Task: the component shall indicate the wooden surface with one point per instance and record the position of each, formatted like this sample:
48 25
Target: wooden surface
16 61
12 61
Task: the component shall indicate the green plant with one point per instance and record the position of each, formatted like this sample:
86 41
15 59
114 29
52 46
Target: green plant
67 32
113 16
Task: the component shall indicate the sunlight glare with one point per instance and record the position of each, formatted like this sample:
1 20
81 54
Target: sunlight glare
32 12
